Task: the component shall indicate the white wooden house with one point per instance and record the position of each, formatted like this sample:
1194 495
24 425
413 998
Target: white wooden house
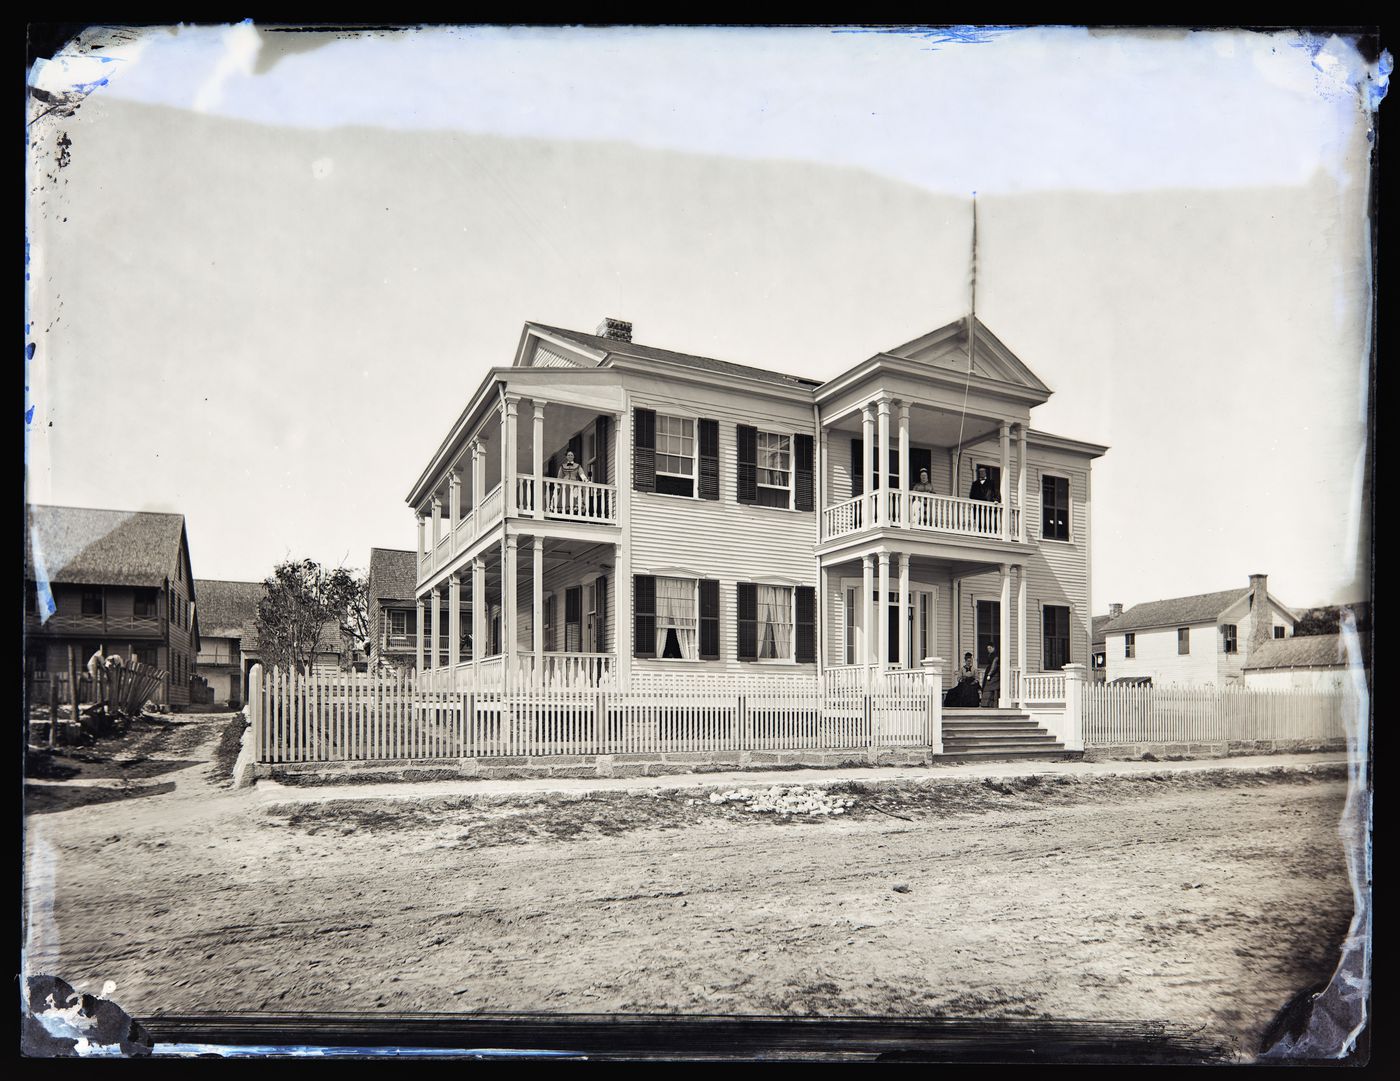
733 520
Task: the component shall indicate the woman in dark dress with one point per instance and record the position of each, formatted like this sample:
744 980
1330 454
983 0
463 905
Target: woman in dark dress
965 694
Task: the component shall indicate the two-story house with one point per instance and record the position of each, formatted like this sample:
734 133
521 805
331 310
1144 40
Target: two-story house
614 510
228 636
115 580
394 615
1202 640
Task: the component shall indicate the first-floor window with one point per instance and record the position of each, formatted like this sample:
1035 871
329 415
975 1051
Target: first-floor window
1183 641
775 623
146 655
676 621
1055 618
850 626
1231 634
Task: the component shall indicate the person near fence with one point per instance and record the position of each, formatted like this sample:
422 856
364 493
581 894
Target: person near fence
991 678
965 694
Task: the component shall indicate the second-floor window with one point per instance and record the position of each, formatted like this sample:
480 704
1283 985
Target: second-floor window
1054 508
145 602
774 464
1130 645
1183 641
400 624
1230 632
92 602
675 455
1279 632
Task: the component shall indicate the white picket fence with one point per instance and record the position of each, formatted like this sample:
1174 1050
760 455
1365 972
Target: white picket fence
349 716
1125 714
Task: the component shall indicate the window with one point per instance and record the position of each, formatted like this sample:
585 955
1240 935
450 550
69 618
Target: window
1279 632
850 626
400 624
676 618
145 602
1232 639
92 602
1054 508
775 623
549 623
146 655
1183 641
675 455
1130 645
573 619
1054 620
774 469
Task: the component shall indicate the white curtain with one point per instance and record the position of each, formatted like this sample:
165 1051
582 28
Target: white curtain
774 623
675 611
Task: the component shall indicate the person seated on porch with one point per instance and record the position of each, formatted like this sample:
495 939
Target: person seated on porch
991 678
921 512
572 472
983 488
965 694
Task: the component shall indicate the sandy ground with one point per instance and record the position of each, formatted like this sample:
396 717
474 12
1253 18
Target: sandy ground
1200 897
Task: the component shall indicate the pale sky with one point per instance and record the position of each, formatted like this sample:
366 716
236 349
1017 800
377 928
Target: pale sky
268 269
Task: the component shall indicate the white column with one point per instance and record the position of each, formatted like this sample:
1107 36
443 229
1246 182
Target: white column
537 627
418 636
933 681
867 567
882 465
906 657
478 482
537 450
882 613
905 482
454 502
480 642
508 596
509 453
622 558
1021 631
819 475
454 625
1004 636
433 645
867 437
418 517
1005 488
437 523
1021 482
823 601
1072 732
955 610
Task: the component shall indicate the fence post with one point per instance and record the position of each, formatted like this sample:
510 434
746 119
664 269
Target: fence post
1073 733
871 724
256 709
933 679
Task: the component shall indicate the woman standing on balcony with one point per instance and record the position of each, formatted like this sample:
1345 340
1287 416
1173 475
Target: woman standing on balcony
571 472
921 510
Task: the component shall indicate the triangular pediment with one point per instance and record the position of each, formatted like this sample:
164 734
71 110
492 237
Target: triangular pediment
947 349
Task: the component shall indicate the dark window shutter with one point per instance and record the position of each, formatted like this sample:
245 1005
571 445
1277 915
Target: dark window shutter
643 616
709 459
602 429
576 445
894 467
551 467
573 604
709 619
644 450
857 467
747 473
600 614
748 621
802 472
806 624
920 458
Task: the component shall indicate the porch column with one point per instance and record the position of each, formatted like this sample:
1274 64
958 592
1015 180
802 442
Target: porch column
508 595
454 625
882 612
882 463
1004 637
437 523
480 645
508 457
955 603
537 627
905 482
867 437
953 484
433 646
1021 482
454 502
537 450
418 517
1005 486
867 567
823 457
478 481
1021 631
623 628
418 636
906 658
823 600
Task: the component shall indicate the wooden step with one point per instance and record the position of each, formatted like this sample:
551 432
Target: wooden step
996 755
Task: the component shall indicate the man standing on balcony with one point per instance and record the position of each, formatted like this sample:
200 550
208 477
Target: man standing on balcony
983 488
991 678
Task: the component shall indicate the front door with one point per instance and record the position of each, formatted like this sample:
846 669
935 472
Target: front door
988 631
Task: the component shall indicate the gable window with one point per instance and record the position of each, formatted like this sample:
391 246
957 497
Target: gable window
675 455
1054 508
774 469
676 619
92 602
1183 641
1055 637
1130 645
1279 632
1232 637
145 602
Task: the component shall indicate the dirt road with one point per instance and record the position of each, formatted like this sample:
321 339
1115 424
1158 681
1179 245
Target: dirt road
1205 899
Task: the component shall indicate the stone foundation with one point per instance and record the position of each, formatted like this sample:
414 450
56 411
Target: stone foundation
1218 749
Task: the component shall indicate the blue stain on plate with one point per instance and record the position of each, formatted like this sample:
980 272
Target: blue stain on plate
41 578
935 35
187 1050
29 415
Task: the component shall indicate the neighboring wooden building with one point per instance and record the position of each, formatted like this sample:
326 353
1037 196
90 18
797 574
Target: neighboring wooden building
393 614
1098 649
1312 663
733 519
1205 639
116 580
228 642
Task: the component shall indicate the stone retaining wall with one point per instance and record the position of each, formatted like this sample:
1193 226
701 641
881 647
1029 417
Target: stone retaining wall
1218 749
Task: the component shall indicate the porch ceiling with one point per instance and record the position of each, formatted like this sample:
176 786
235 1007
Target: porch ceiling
928 426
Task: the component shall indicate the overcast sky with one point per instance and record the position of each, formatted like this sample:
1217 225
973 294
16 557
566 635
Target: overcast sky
267 269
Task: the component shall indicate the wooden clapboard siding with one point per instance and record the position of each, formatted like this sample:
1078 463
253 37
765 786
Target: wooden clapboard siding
835 624
548 356
838 466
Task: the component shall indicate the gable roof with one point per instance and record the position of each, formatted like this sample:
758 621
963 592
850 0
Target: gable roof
229 609
1312 651
393 575
87 546
1096 630
947 347
1176 611
614 347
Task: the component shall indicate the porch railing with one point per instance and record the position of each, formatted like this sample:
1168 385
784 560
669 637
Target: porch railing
925 512
575 500
1034 688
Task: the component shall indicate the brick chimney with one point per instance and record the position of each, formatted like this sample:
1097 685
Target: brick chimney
619 330
1114 611
1261 619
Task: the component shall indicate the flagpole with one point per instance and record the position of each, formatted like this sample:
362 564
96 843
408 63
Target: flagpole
971 346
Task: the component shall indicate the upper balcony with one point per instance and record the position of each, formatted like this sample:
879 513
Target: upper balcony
924 513
97 624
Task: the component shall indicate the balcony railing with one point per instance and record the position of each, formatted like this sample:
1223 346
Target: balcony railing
574 500
920 511
98 623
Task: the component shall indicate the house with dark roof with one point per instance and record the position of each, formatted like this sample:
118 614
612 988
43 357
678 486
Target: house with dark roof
1205 639
228 638
1319 662
119 581
1098 651
393 611
612 510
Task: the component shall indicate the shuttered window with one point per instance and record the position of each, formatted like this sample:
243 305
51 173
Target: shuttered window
747 621
746 472
643 616
602 431
600 614
573 619
709 619
708 487
804 497
806 649
1054 508
644 450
